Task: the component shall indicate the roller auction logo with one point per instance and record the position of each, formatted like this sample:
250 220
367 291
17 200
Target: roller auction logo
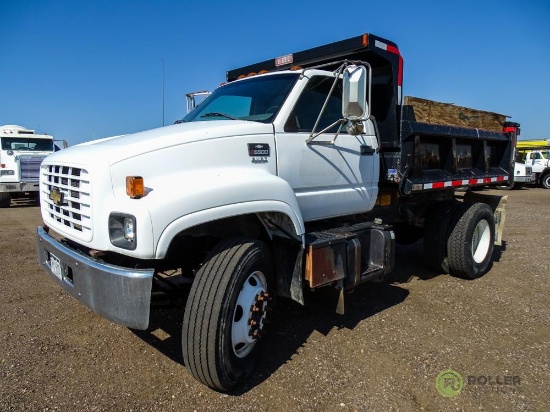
449 383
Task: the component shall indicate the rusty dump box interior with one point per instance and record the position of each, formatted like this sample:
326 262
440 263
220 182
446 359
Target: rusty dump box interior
437 113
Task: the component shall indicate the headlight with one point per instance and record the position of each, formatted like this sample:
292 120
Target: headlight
122 230
7 172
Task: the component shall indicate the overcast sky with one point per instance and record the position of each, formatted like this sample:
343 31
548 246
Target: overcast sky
80 70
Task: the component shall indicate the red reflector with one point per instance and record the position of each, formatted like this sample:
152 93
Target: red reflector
392 49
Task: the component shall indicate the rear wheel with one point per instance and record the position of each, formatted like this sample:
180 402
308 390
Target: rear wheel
226 313
546 181
5 199
436 234
470 244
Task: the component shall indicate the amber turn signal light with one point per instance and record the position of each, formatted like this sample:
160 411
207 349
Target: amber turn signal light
134 187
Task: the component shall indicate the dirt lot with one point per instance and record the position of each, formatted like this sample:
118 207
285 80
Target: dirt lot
384 354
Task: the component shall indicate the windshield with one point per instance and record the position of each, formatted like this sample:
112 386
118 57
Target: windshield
257 98
26 144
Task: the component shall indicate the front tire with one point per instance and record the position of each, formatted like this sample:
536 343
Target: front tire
470 244
227 312
5 199
546 181
517 186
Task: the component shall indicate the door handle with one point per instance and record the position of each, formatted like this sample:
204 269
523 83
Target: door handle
366 150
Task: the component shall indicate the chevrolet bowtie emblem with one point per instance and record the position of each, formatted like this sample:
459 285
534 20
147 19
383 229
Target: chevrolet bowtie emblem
56 196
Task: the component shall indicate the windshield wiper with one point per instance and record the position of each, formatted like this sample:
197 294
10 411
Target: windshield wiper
217 114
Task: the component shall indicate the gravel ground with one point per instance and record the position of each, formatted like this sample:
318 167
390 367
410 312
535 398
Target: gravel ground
383 354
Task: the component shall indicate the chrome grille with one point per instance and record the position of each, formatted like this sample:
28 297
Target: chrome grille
66 191
30 167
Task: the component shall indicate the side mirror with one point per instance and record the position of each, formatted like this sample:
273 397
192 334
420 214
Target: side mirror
354 99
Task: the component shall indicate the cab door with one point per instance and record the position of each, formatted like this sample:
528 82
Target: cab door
329 177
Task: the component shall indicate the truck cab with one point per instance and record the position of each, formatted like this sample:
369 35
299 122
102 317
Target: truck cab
331 174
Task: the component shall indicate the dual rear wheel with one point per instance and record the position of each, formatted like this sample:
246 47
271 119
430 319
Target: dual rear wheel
459 238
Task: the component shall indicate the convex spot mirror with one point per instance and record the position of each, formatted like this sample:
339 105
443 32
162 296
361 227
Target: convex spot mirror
354 99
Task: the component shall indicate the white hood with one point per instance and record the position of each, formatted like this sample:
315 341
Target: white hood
118 148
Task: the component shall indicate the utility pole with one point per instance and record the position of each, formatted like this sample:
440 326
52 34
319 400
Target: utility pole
163 92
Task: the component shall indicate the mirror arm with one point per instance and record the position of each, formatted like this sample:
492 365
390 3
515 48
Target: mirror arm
313 136
336 77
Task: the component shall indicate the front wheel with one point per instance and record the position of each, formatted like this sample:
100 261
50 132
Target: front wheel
227 312
517 186
546 181
5 199
470 244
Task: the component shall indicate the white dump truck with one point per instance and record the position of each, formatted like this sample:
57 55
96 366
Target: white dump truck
299 174
21 153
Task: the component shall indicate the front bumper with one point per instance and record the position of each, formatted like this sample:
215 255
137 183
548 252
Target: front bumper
524 179
19 187
122 295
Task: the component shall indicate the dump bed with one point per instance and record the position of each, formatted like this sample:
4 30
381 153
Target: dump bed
445 146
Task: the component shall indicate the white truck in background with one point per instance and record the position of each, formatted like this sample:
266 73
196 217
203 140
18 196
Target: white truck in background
523 175
536 155
21 153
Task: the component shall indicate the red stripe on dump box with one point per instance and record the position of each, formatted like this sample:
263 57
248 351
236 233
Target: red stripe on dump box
459 183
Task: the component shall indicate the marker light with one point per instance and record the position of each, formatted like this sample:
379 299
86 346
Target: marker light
134 187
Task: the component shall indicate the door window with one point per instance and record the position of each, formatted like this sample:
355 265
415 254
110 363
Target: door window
309 105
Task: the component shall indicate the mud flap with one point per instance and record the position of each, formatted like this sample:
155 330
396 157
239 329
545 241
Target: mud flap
296 287
497 204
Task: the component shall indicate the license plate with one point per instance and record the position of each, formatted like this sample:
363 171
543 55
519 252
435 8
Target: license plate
55 265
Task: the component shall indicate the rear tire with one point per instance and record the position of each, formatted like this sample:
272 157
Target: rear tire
436 234
5 199
226 313
471 241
